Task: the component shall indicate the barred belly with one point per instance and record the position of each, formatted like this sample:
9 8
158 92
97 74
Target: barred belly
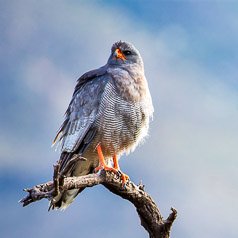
121 124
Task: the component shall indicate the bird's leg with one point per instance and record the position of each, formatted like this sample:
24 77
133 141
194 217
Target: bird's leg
124 177
115 168
102 164
115 163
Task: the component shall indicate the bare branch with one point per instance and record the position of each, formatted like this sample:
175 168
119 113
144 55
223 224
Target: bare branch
150 216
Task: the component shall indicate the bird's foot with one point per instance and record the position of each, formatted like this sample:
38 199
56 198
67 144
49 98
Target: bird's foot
122 176
115 169
106 168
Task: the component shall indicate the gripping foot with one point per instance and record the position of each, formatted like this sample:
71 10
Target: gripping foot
115 168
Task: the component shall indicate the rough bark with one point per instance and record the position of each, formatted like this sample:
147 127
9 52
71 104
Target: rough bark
150 216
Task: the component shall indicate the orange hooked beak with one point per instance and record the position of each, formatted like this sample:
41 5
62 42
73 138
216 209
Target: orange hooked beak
117 53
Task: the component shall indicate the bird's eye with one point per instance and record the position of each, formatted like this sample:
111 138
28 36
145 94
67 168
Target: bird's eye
127 52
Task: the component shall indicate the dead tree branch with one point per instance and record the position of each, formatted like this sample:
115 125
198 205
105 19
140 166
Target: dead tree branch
150 216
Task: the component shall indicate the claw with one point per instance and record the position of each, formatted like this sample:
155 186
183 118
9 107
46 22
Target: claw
119 173
124 186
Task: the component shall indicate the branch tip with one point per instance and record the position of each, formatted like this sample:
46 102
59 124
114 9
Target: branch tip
172 216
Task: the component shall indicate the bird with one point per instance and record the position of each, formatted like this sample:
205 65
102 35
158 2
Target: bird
108 115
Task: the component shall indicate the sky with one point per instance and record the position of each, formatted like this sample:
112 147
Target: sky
190 159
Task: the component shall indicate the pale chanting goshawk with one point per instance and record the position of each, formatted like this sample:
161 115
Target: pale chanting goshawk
108 115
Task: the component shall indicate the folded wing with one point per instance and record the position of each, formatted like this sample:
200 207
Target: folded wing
77 130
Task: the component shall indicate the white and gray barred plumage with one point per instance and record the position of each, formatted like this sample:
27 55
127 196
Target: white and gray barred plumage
111 106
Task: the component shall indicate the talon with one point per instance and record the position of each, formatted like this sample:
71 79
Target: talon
124 178
119 173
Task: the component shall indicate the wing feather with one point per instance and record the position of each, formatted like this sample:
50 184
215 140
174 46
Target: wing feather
82 110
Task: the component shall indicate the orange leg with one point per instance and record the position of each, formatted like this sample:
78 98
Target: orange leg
115 162
102 162
115 169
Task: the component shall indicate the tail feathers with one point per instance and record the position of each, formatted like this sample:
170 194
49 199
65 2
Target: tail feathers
62 201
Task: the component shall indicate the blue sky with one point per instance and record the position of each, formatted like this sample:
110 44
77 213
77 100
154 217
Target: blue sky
189 161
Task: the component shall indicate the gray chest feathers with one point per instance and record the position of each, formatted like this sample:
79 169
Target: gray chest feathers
121 124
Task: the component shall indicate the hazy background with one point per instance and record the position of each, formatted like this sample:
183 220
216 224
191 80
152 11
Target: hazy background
190 160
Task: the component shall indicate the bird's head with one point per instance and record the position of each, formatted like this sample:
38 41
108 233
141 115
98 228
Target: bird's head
124 53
